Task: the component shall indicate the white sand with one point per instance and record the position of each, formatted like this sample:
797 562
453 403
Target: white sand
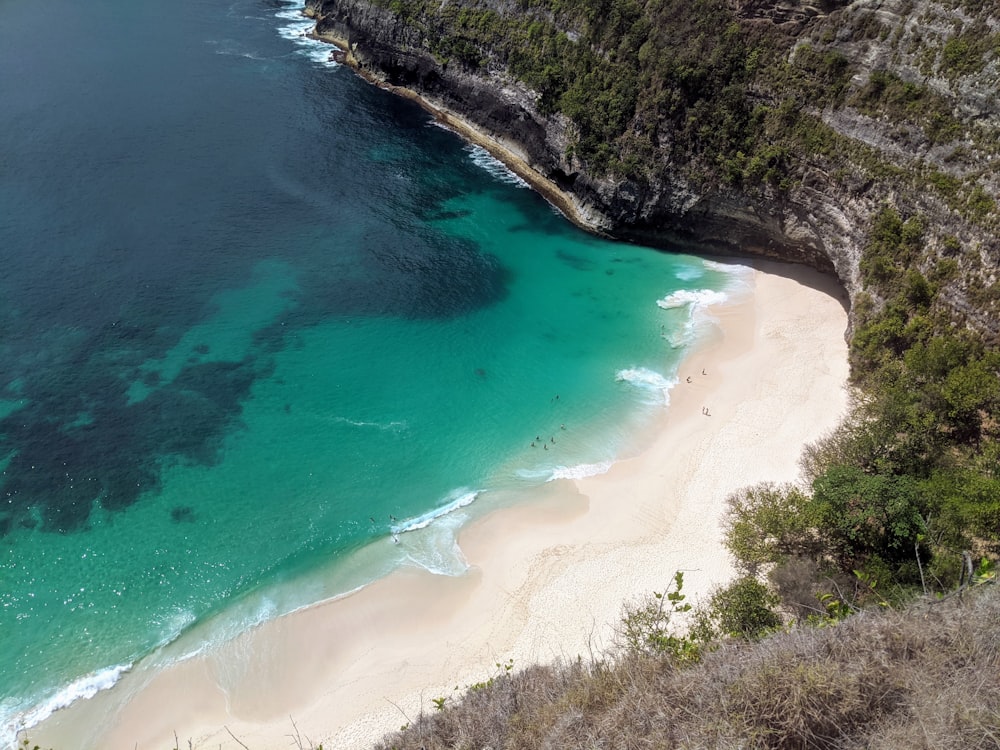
547 580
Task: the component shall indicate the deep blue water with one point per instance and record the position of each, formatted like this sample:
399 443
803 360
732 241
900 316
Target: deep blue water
256 317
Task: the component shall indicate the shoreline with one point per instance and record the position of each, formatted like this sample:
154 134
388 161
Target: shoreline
346 671
547 577
563 201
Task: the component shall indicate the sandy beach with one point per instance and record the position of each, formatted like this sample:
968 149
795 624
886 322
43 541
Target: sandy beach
547 578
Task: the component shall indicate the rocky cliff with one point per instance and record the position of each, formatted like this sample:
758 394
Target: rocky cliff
747 126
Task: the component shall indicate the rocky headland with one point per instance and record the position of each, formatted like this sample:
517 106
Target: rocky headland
756 127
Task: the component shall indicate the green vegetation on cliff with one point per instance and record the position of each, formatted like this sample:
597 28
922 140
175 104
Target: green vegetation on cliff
904 496
732 97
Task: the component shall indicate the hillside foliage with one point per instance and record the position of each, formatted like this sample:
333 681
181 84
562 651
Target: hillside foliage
734 100
905 493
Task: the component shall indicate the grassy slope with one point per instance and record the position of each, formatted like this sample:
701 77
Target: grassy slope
926 677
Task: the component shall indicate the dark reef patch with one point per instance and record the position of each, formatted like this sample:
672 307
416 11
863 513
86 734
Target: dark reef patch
575 261
182 514
62 467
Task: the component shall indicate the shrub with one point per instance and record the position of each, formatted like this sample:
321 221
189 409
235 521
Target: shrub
744 609
647 627
867 515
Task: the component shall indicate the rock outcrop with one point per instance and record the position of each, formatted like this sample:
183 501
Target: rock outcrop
822 214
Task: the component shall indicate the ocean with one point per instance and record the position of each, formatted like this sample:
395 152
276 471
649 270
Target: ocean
268 333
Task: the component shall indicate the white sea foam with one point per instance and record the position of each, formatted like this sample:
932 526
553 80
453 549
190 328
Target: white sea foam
319 52
740 278
438 552
580 471
385 426
541 474
232 623
652 383
485 160
81 689
434 546
692 297
734 268
697 301
298 29
457 499
552 473
435 123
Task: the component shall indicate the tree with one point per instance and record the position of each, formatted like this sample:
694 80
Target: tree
864 515
766 523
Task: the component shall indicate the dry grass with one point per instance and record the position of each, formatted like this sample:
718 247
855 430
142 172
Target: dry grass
927 677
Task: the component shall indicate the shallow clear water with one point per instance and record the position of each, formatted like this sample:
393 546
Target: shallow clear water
256 316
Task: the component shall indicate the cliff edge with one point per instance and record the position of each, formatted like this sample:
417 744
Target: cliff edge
764 127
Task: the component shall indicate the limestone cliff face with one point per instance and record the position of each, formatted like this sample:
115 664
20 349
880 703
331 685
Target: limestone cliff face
822 217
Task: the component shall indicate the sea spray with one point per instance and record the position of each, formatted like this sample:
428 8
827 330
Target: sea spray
695 303
298 29
693 298
655 387
83 688
455 500
485 160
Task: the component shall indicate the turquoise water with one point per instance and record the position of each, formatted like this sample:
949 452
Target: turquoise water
267 333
